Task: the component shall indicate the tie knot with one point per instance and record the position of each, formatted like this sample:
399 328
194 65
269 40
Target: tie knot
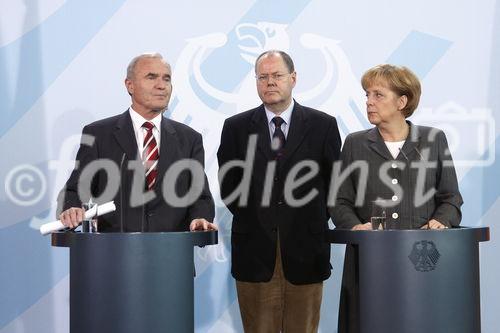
278 121
148 125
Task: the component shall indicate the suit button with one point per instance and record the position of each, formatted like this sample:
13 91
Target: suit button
280 203
394 198
394 181
394 165
150 214
395 215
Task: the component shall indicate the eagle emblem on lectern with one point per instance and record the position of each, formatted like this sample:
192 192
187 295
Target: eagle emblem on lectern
424 256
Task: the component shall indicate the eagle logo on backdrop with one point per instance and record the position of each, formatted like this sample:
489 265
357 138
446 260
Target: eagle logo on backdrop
214 78
204 106
424 256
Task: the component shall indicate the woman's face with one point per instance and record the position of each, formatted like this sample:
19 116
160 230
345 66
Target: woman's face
383 106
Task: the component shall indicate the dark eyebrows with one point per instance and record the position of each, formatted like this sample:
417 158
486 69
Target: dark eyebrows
274 73
151 75
374 91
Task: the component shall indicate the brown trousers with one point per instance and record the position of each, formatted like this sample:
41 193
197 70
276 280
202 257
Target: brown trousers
279 306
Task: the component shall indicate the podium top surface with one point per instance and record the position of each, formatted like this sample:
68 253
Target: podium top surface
344 236
197 238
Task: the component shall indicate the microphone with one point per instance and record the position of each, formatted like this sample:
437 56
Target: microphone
410 189
143 228
121 191
419 154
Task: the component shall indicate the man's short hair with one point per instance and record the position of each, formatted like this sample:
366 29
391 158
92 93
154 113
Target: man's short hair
133 62
286 59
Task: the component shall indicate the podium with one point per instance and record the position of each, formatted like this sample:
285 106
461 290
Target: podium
132 282
417 280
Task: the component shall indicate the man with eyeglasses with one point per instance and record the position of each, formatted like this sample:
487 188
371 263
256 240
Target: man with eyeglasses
282 153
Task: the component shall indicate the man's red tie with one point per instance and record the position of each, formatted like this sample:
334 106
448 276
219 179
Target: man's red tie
150 155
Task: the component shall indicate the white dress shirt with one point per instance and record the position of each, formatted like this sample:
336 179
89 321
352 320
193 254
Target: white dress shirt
140 132
394 147
285 115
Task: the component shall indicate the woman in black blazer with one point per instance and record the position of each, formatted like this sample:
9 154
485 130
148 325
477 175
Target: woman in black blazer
404 167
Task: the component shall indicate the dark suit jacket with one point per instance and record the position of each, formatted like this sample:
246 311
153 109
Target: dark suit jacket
314 136
115 141
424 144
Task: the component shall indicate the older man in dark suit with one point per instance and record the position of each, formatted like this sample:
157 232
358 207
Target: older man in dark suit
279 256
128 158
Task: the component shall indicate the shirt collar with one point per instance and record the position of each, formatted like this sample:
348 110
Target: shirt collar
285 115
139 120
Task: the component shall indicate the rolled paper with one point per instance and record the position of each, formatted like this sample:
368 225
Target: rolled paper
98 210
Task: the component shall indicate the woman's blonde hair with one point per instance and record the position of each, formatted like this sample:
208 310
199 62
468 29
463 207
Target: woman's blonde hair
400 80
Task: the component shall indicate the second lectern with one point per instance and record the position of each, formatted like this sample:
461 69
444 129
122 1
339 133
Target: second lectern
132 282
414 281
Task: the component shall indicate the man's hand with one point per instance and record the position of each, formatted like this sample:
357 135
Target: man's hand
362 226
201 224
72 217
434 224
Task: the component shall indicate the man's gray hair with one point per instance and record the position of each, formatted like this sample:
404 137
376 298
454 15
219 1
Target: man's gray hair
133 62
286 59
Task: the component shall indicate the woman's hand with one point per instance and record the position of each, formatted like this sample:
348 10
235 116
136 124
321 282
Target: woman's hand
362 226
434 224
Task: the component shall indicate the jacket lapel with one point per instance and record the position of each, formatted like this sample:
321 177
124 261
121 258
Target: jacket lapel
125 136
169 150
299 126
376 143
260 127
412 142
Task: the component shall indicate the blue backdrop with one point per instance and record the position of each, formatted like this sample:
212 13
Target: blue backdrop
62 65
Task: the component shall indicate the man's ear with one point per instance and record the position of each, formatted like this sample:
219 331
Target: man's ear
294 78
130 86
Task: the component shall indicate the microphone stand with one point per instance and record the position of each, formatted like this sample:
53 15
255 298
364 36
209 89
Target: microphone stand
121 191
427 207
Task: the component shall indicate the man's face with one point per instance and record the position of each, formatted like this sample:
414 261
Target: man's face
150 87
274 82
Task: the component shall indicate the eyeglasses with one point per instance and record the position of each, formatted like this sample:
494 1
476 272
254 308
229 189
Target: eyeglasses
274 76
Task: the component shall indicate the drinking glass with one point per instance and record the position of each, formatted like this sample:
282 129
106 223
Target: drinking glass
89 224
378 216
